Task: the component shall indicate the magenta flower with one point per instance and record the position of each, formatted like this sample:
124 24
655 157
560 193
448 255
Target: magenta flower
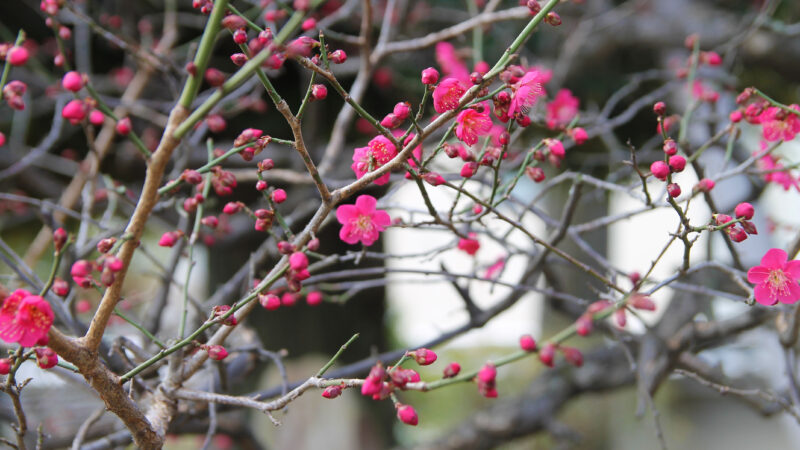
378 152
562 109
447 94
526 91
776 278
779 124
451 64
472 124
25 318
362 222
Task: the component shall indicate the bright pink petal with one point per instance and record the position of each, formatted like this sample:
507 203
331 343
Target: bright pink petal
366 204
369 237
792 268
349 234
346 214
758 274
10 332
764 295
790 295
383 179
381 220
775 258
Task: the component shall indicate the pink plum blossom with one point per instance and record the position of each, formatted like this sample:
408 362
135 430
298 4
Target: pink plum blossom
472 124
362 222
779 124
447 94
378 152
526 91
775 279
562 109
451 64
25 318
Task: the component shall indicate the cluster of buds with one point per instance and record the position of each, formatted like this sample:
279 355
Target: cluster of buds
743 211
487 380
264 218
298 271
13 92
108 266
190 204
50 7
398 115
205 6
222 181
470 244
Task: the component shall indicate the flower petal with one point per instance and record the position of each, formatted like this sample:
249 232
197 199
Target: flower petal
793 269
380 219
346 214
764 295
791 295
775 258
366 204
757 274
348 234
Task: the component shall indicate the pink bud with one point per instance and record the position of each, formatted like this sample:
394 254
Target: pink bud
670 147
579 135
737 234
552 18
74 111
673 190
660 170
621 317
535 173
278 196
572 355
469 169
402 110
286 248
720 219
233 22
231 208
46 357
81 268
744 211
677 163
451 370
556 147
60 287
430 76
17 56
319 91
433 178
298 261
527 343
217 352
72 81
169 239
314 298
643 302
477 209
583 326
423 356
238 59
210 221
533 6
214 77
124 126
313 244
332 391
660 108
547 353
2 139
705 185
270 302
471 245
406 414
337 56
261 185
749 227
5 366
113 263
712 58
736 116
309 24
288 299
96 117
240 36
59 238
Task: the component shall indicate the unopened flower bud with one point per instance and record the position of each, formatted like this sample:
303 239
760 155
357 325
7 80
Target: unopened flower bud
527 343
451 370
744 211
423 356
217 352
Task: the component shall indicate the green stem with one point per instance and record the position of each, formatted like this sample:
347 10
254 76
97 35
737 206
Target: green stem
774 102
140 328
336 356
53 269
203 55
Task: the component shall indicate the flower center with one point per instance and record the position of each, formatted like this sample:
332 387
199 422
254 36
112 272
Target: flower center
364 223
778 282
